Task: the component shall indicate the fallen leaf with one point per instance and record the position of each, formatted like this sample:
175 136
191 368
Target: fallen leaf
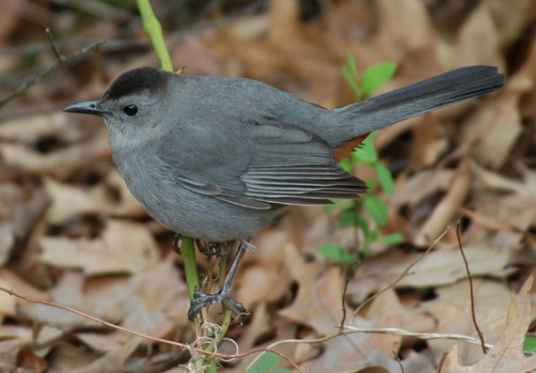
507 354
439 267
452 309
125 247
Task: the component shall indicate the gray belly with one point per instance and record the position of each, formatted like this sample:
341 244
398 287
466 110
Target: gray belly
192 214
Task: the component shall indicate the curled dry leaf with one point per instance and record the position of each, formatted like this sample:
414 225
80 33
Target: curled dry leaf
507 354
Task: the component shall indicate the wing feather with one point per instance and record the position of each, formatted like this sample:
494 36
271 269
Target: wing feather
270 162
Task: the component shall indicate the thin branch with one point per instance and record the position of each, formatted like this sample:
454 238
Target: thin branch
397 358
62 60
148 337
60 56
343 300
348 329
471 287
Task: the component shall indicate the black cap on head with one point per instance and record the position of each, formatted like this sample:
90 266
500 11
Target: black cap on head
136 81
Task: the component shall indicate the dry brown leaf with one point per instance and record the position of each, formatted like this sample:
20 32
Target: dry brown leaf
436 268
261 284
517 207
103 342
411 190
404 27
446 210
318 303
102 199
112 361
414 319
510 17
22 333
60 163
9 350
48 334
507 354
7 302
478 41
452 309
124 247
384 362
346 353
65 357
16 357
31 128
494 128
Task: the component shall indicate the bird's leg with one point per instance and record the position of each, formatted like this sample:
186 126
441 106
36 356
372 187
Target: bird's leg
204 300
176 245
207 248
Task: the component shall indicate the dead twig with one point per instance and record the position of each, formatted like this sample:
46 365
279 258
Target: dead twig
348 278
148 337
62 60
397 358
406 333
471 287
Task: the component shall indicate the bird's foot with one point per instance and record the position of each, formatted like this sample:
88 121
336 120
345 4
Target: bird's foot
202 300
208 248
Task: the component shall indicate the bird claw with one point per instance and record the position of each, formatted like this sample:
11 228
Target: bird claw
202 300
208 248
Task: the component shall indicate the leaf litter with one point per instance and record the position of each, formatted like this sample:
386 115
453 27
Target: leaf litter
71 233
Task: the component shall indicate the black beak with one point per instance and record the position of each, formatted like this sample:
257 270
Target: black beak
89 107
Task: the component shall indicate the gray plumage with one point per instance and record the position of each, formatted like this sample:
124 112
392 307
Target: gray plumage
217 158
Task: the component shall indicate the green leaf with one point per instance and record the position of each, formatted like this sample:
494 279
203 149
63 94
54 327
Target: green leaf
530 344
376 75
337 253
350 73
347 219
363 224
371 184
367 153
347 165
353 83
252 369
331 251
267 362
377 209
350 60
385 177
392 239
280 370
329 208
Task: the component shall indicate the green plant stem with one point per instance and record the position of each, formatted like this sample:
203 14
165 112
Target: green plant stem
227 311
190 266
153 30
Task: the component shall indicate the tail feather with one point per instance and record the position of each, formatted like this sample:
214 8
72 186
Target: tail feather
427 95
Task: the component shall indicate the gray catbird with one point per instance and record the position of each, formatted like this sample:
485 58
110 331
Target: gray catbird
217 158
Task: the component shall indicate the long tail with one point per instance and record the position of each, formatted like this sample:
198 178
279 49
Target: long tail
427 95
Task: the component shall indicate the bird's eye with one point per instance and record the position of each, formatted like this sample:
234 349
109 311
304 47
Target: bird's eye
130 110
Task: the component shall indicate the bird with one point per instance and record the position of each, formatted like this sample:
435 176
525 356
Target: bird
219 158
